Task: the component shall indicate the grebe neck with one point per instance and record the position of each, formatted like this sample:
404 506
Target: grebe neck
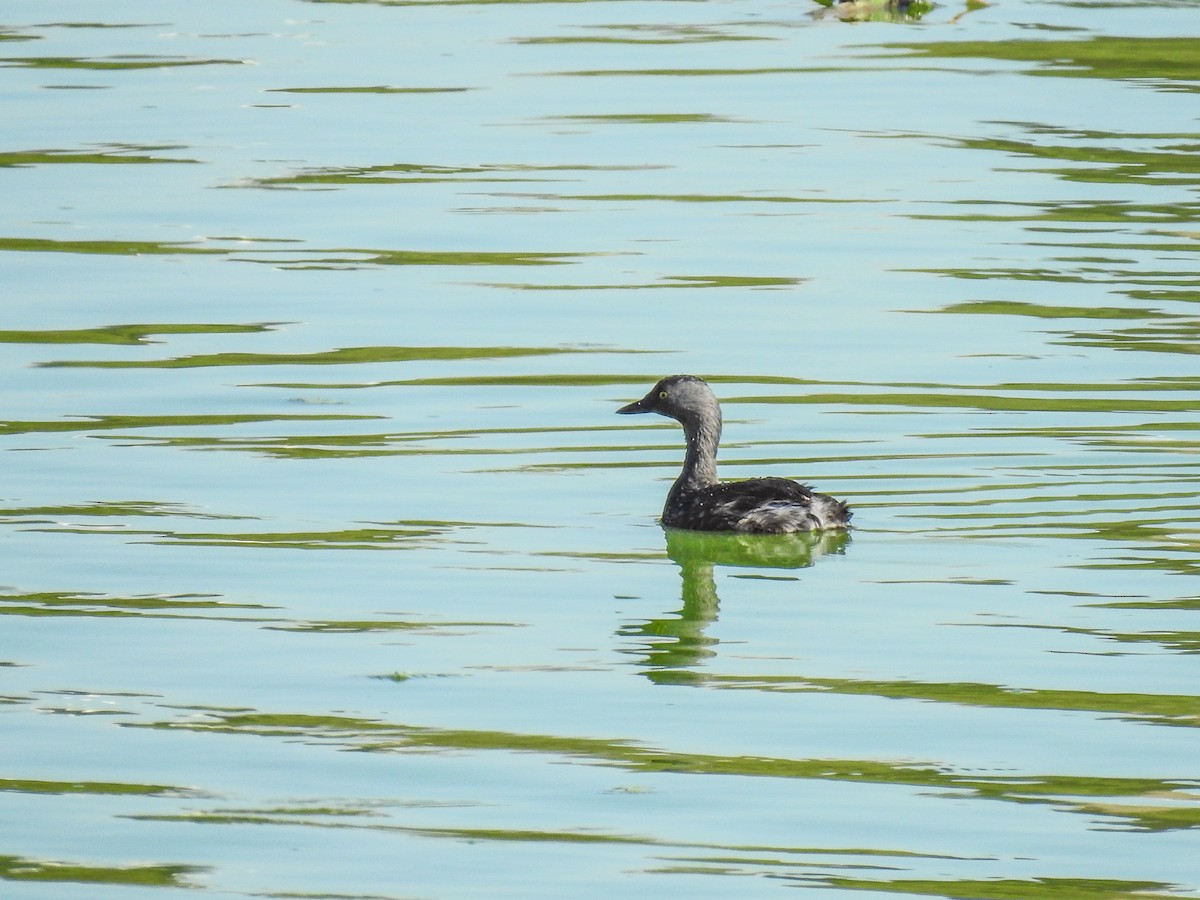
700 463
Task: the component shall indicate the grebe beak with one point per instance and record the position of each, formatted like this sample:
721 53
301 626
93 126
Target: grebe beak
638 406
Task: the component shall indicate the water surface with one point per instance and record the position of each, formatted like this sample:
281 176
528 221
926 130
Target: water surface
329 571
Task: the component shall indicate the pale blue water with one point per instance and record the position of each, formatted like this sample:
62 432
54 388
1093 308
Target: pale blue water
329 572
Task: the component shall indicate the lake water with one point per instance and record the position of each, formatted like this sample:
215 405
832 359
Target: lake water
328 571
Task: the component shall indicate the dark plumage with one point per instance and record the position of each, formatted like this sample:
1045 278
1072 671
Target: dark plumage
700 502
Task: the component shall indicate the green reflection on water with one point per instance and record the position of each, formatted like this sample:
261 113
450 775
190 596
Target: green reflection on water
290 258
113 62
119 248
646 34
1075 211
120 154
702 73
340 357
1166 62
1012 888
111 423
125 334
646 118
378 444
17 868
347 539
107 788
1164 333
370 89
1157 709
979 401
1042 311
364 626
1172 165
451 2
1097 796
109 508
667 281
95 605
420 173
680 640
190 606
692 198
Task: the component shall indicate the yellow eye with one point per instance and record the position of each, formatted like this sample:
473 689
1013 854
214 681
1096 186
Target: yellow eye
662 395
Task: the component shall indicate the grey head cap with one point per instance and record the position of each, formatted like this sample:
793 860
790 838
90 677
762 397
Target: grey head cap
677 396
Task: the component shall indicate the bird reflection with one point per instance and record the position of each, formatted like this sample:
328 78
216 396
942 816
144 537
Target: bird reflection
900 11
873 10
678 641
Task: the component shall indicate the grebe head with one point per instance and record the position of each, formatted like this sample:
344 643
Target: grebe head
684 398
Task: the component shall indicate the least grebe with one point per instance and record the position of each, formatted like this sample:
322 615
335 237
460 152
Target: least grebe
699 502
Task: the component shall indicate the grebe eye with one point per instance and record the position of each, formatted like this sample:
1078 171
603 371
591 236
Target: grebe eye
662 395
